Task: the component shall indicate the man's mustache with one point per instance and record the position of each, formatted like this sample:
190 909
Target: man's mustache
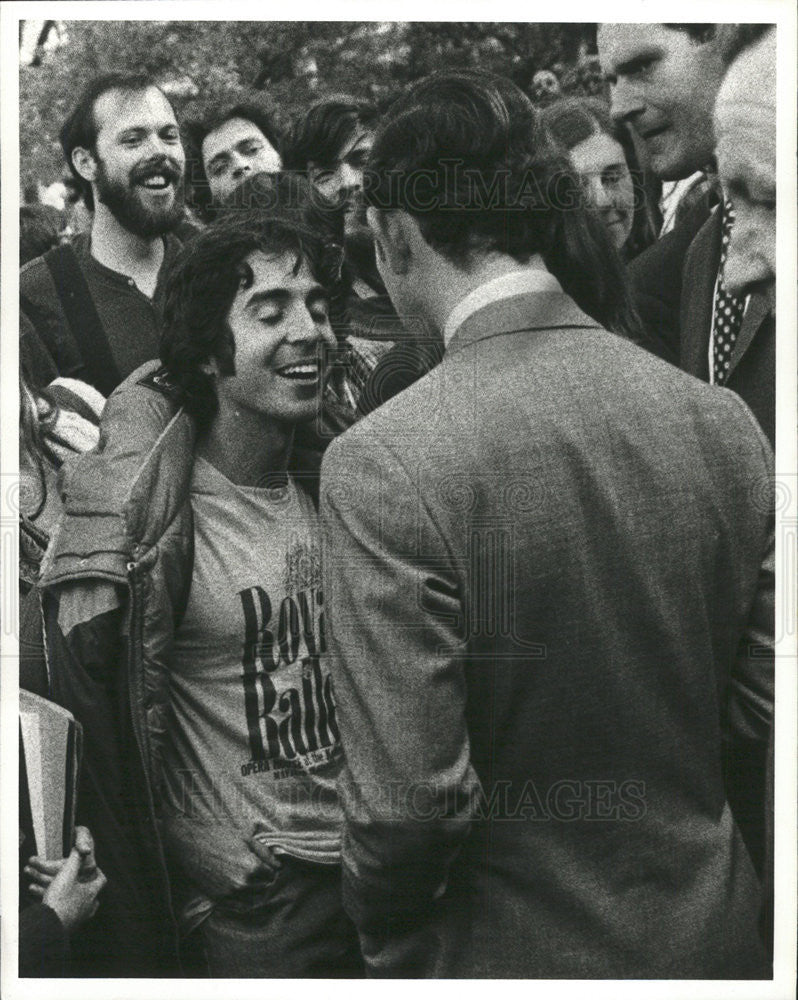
163 165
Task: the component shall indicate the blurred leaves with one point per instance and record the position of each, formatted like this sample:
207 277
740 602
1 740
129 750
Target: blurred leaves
285 64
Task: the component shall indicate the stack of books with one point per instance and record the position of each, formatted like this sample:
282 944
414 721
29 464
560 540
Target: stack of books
50 745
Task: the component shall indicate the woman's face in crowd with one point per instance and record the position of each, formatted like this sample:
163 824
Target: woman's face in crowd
601 163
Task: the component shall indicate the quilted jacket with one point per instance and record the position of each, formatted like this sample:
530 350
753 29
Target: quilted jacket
115 584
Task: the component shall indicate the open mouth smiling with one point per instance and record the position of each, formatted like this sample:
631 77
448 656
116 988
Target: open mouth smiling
157 182
156 176
306 371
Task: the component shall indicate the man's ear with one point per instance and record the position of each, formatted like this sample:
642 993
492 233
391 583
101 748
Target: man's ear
84 162
210 367
393 239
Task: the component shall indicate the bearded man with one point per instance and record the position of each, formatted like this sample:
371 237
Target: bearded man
92 310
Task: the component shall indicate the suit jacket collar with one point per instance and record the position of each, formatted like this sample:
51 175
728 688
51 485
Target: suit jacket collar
527 311
698 299
503 286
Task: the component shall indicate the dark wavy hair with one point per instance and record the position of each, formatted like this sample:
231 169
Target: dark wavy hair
195 130
80 128
324 129
466 155
572 120
294 197
204 282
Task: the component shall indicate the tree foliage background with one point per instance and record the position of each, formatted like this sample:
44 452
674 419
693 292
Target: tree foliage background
285 65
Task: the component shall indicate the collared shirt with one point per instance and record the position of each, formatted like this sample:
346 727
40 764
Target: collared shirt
672 194
518 282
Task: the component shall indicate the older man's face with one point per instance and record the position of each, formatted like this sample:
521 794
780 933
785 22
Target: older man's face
745 126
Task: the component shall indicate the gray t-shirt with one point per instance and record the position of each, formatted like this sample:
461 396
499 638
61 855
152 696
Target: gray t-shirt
253 739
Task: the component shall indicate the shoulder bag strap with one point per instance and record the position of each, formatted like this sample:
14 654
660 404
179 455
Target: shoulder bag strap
82 317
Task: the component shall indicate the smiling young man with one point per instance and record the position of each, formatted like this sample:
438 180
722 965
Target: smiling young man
226 147
203 535
95 306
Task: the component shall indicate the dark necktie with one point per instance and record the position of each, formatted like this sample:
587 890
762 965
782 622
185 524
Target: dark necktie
728 309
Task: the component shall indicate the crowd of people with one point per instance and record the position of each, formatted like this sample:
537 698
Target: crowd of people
397 522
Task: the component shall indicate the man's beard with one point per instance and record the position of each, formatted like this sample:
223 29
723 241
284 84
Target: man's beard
125 201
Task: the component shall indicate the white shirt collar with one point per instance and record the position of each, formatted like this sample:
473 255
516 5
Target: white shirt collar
506 285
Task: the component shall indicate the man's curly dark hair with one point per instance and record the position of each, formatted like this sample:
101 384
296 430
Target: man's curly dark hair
204 282
321 132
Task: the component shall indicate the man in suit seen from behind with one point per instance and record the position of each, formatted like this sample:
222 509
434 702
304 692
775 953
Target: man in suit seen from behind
549 590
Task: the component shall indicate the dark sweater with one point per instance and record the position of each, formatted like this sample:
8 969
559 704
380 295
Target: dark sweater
43 943
131 322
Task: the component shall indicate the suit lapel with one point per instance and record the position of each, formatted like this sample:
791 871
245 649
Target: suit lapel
755 314
698 294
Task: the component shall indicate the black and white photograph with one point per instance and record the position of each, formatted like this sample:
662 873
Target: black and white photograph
403 502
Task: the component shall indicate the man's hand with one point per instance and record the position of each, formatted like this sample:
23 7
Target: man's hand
43 872
74 900
265 854
219 858
84 845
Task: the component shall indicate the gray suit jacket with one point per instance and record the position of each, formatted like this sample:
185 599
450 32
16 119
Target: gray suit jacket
550 599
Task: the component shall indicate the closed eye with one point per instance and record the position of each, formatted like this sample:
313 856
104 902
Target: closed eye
318 306
357 159
639 67
613 175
